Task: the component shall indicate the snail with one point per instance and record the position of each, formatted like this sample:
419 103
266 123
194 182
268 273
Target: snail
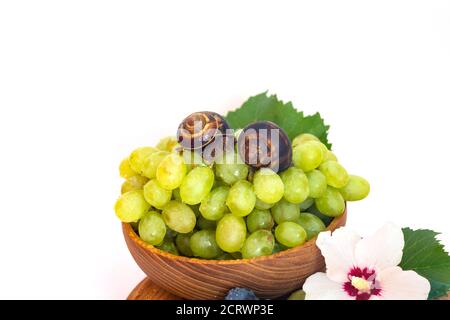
264 144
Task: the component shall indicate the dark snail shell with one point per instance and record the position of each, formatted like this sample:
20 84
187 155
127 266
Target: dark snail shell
264 144
199 129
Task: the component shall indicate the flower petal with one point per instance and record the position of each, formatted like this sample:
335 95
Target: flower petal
320 287
382 250
338 250
397 284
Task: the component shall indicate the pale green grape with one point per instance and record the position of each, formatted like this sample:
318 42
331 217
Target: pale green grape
297 295
131 206
205 224
268 185
196 185
241 198
183 244
167 144
303 138
317 183
203 244
296 186
356 189
136 182
290 234
213 206
335 174
262 205
152 228
138 157
231 233
168 246
170 233
171 171
278 247
311 223
179 217
151 163
308 155
332 203
125 169
329 156
305 205
259 243
231 169
285 211
156 195
259 219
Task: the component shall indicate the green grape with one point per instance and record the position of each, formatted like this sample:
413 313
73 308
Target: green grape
138 158
317 183
179 217
304 137
259 219
203 244
236 255
131 206
285 211
297 295
152 228
307 156
231 233
225 256
196 209
356 189
305 205
196 185
262 205
241 198
332 203
231 169
296 187
268 185
151 163
278 247
311 223
176 194
192 159
335 174
171 171
329 156
290 234
168 246
125 169
213 206
205 224
167 144
259 243
325 219
182 242
136 182
156 195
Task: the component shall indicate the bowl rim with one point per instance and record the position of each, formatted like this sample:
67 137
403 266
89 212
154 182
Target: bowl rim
131 234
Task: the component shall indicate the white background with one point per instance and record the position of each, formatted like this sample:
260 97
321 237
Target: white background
82 83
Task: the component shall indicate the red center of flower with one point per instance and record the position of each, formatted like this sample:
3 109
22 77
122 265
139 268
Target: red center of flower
368 286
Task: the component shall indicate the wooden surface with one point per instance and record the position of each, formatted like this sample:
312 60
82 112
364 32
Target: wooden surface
147 290
269 277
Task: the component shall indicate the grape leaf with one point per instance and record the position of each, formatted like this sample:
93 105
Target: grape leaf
270 108
424 254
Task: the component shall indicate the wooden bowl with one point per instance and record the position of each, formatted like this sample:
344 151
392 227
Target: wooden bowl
197 279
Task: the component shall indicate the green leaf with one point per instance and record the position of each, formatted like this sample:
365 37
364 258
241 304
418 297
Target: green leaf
424 254
270 108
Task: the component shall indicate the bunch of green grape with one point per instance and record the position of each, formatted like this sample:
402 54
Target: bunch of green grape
230 210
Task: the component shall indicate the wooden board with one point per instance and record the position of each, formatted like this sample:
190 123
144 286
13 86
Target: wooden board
147 290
